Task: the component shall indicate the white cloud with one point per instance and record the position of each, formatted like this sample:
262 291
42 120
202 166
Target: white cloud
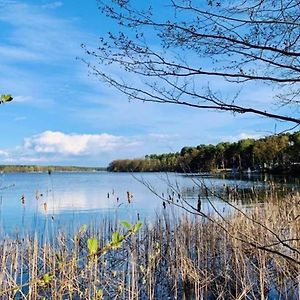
18 53
33 101
25 159
4 153
242 136
162 136
58 147
74 144
23 99
21 118
52 5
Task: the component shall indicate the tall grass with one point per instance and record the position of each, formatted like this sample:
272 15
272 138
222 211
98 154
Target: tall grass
249 254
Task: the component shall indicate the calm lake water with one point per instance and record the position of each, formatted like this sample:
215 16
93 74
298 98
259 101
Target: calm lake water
35 202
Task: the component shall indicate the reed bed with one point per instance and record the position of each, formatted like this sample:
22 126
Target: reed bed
249 254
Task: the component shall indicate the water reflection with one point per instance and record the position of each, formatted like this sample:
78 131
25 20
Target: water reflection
29 201
76 200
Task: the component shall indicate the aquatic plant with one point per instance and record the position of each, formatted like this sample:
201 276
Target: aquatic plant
175 257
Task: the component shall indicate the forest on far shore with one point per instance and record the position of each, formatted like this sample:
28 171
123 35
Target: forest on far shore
276 153
49 169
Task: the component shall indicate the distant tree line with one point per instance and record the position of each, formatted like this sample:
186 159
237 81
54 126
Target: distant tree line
277 153
35 168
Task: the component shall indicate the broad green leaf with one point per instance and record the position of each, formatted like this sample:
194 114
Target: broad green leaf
126 224
92 244
116 237
116 240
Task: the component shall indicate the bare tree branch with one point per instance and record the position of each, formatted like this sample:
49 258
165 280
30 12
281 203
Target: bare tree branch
238 42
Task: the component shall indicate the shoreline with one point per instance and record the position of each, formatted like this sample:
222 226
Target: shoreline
47 169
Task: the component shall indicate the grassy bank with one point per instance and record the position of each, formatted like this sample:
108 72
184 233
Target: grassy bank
253 253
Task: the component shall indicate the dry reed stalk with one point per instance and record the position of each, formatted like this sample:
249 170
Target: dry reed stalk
177 258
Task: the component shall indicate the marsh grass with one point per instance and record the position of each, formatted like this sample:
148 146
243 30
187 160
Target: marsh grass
249 255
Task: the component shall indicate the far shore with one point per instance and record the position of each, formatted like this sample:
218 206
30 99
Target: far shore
76 169
47 169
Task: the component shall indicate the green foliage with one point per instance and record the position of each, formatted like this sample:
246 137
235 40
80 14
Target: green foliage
279 152
47 278
5 98
83 228
116 240
133 228
126 224
99 295
92 245
137 227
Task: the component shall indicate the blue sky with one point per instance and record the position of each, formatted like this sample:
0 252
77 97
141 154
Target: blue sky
61 115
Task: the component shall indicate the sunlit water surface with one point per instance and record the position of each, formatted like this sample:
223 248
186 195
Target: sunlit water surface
39 202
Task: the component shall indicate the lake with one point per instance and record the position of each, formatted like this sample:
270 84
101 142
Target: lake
38 202
44 240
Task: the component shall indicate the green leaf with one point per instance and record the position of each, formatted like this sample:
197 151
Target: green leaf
137 227
116 240
47 278
142 268
117 237
83 228
99 295
92 244
6 98
126 224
